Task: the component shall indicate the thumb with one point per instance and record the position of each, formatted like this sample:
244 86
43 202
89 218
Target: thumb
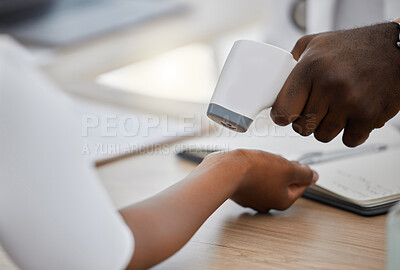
304 175
295 191
294 94
301 46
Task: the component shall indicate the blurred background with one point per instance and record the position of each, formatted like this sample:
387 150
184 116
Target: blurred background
163 55
155 55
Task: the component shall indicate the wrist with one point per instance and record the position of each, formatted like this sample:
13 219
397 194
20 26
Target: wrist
397 22
391 32
239 167
394 26
227 170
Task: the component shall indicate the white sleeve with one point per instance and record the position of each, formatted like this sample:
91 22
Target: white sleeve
54 212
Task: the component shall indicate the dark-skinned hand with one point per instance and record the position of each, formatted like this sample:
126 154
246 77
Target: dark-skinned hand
344 80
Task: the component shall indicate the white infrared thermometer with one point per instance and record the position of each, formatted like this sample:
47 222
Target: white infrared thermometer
250 81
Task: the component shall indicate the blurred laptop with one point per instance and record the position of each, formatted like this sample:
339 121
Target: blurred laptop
64 22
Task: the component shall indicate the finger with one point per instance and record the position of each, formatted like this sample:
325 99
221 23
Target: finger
297 189
217 153
295 192
294 95
303 175
356 132
312 115
330 126
301 46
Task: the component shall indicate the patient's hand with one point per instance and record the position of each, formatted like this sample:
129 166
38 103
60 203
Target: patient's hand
265 181
163 223
344 80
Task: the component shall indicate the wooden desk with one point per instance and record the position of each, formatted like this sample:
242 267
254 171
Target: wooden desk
307 236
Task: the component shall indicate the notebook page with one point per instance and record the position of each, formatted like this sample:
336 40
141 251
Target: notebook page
362 178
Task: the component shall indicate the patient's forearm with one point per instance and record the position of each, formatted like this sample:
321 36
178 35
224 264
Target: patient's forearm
165 222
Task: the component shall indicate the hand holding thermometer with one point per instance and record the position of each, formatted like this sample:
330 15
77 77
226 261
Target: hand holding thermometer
250 81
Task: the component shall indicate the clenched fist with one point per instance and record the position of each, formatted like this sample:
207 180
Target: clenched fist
344 80
265 181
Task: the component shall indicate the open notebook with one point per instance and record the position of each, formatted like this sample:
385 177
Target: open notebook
367 184
363 182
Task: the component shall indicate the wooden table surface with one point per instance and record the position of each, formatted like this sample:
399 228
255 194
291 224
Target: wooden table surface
307 236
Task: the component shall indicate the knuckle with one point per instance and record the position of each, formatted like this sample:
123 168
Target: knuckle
329 79
316 39
301 129
311 65
311 123
354 138
328 132
354 102
323 136
333 78
311 110
331 127
280 115
303 41
307 123
368 115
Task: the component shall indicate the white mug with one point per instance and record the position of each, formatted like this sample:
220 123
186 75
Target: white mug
393 239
